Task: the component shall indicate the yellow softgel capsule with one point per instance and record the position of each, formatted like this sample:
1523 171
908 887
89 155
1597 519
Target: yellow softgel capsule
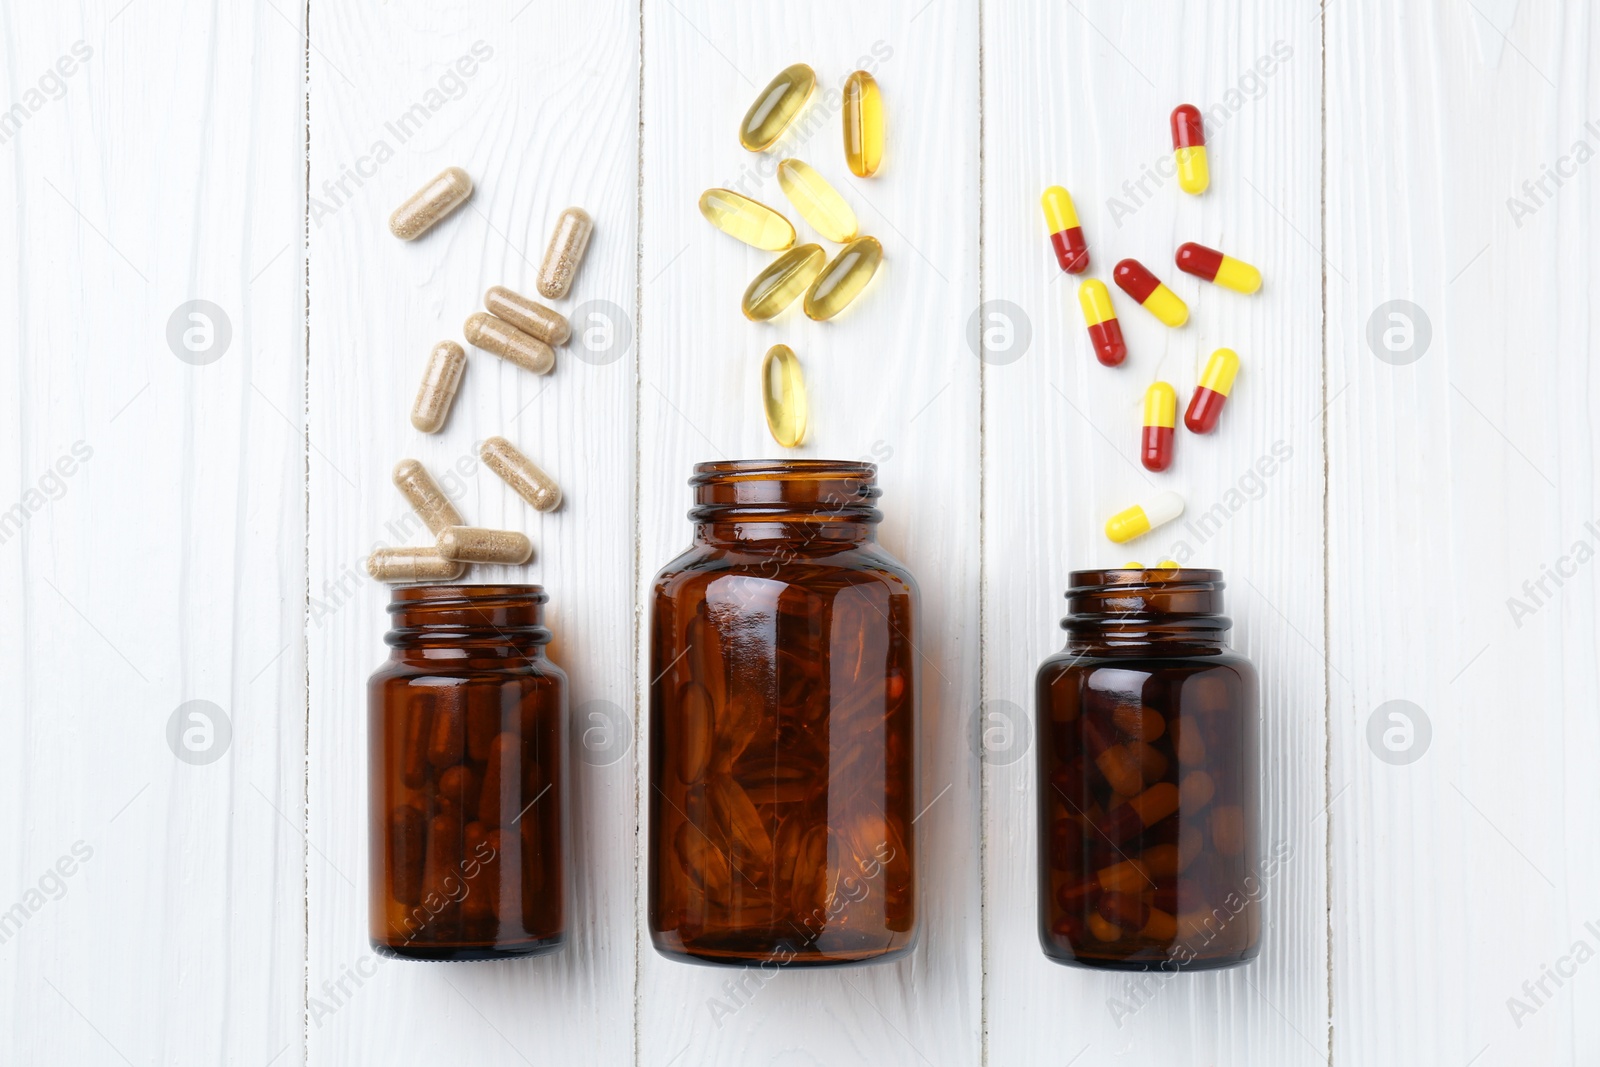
743 219
843 279
863 124
818 202
1140 519
782 281
776 106
783 395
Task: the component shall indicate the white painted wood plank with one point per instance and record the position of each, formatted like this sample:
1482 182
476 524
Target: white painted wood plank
546 118
1460 471
888 381
151 532
1080 95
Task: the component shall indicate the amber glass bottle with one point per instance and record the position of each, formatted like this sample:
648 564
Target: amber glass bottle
1148 778
466 726
783 707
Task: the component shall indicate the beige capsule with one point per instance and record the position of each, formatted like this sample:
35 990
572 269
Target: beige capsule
425 496
529 316
499 337
413 565
520 473
431 203
476 544
440 380
561 258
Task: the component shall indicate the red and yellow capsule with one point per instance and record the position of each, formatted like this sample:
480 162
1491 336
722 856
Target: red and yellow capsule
1160 419
1066 233
1216 382
1135 279
1101 318
1189 149
1213 266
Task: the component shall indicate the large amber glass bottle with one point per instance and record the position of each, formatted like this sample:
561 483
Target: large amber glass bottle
783 710
467 736
1148 779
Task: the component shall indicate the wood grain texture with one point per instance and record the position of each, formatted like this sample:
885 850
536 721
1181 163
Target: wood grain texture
153 513
889 380
546 118
1457 476
1080 96
173 529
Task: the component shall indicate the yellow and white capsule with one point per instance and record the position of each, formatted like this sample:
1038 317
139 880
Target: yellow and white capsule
1140 519
1189 149
818 202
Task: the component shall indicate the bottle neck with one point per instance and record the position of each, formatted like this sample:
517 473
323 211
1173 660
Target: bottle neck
454 621
1129 611
823 504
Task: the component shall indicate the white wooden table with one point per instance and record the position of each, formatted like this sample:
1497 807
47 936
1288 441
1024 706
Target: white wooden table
1404 507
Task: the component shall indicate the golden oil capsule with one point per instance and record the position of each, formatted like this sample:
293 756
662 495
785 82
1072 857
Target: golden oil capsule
777 106
529 316
784 279
750 221
844 278
440 380
520 473
783 394
425 496
863 124
413 565
498 336
476 544
564 253
446 192
818 202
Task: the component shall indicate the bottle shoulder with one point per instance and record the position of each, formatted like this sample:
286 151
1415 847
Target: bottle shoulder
1226 658
855 564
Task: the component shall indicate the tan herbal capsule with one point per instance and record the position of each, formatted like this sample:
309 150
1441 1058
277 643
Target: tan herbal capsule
520 473
425 496
566 249
439 383
529 316
431 203
477 544
412 565
509 343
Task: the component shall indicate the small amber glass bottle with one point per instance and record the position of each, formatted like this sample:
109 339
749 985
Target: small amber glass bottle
467 736
1148 778
783 707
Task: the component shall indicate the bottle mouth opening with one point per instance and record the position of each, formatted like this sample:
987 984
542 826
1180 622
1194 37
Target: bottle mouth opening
469 611
405 597
1130 598
786 491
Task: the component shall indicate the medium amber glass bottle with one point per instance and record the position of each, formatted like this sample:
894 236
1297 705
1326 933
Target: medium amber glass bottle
783 712
1148 778
467 736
